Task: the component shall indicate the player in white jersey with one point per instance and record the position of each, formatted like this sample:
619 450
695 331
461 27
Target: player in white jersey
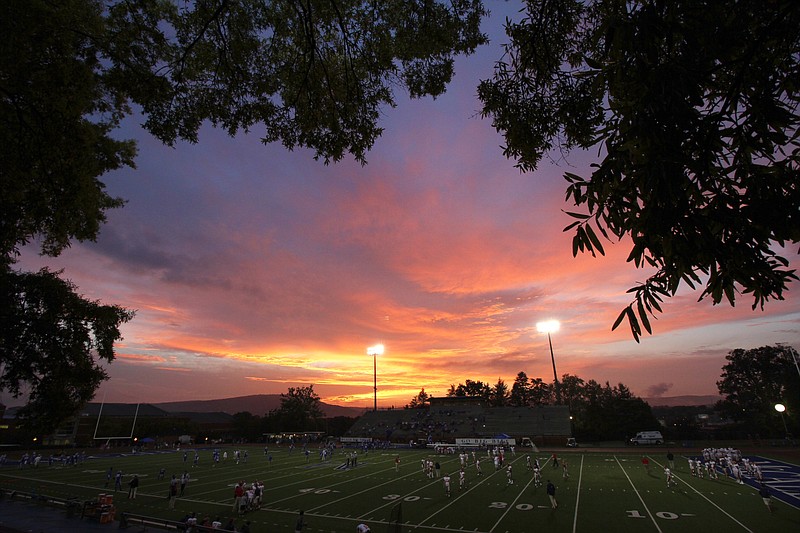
446 480
478 466
509 475
528 463
462 479
670 477
737 473
537 476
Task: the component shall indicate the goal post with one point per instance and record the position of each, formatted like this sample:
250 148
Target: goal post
108 429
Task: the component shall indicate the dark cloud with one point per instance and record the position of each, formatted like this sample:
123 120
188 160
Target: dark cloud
658 390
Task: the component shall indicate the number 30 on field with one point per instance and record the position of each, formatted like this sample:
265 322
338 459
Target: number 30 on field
666 515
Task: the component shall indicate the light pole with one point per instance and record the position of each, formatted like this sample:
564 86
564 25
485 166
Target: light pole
551 326
375 351
781 409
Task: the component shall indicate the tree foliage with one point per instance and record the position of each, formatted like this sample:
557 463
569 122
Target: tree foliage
313 74
471 389
693 107
48 345
300 410
420 401
55 141
753 381
499 394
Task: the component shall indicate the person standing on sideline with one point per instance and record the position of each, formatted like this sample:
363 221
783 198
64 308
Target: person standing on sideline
184 481
671 460
551 493
766 496
133 484
173 494
300 523
238 492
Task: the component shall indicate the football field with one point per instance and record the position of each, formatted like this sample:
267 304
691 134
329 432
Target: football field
604 491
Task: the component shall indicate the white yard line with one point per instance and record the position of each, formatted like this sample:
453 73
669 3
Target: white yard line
577 498
509 507
706 499
639 495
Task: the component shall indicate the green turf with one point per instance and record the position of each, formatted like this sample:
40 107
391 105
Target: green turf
605 491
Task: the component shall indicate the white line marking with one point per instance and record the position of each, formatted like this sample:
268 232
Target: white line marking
577 498
640 496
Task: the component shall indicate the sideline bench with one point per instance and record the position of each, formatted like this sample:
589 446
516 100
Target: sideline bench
128 519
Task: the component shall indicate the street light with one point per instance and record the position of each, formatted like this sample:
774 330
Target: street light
375 351
781 409
551 326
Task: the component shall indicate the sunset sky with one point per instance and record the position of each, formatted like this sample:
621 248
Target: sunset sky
253 269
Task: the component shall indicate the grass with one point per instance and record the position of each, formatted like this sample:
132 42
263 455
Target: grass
606 491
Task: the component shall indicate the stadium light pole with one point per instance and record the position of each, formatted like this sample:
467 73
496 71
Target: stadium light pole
781 409
551 326
375 351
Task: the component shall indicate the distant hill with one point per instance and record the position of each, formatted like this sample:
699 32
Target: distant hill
674 401
258 404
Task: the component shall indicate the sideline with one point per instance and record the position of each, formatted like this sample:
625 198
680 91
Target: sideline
639 495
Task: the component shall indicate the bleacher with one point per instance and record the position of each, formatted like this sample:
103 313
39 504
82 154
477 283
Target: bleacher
446 421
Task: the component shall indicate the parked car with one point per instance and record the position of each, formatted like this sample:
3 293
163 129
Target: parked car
572 443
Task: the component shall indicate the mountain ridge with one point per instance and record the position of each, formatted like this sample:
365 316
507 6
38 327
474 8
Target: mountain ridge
685 400
257 404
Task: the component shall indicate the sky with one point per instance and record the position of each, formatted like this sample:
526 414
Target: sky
253 269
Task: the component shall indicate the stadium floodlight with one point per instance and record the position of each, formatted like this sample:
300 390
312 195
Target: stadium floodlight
551 326
375 351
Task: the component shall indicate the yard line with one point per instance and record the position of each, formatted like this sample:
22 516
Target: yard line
706 499
343 482
578 498
509 507
639 495
350 480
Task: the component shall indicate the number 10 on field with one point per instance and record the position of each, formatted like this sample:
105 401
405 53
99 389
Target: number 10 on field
666 515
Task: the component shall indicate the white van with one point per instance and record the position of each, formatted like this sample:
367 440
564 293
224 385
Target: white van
647 437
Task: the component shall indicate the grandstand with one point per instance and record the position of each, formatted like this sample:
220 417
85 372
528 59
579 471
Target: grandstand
447 419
